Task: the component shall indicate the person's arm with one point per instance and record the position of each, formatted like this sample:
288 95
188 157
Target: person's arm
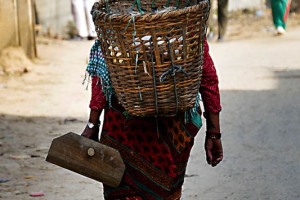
213 144
210 94
97 104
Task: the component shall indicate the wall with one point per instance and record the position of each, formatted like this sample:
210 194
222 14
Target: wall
16 25
54 16
240 4
8 23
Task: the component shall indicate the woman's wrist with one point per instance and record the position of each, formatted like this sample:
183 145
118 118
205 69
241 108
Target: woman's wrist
212 122
94 116
213 135
92 125
212 125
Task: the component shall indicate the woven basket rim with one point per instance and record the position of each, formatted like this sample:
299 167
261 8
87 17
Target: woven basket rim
148 17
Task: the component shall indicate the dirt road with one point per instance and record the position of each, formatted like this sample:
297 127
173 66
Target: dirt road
260 87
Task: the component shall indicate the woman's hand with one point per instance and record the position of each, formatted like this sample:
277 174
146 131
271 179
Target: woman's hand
91 133
213 143
214 151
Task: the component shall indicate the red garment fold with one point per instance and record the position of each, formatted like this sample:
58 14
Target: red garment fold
98 100
209 87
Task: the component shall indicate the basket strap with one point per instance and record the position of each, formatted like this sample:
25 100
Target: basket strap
133 14
153 75
107 6
153 4
168 3
138 4
187 3
172 71
176 3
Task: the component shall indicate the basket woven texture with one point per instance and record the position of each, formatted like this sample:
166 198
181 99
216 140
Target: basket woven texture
154 59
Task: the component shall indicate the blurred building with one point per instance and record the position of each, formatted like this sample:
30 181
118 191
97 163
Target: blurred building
241 4
55 17
17 25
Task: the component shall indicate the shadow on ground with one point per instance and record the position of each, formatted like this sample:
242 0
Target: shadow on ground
261 146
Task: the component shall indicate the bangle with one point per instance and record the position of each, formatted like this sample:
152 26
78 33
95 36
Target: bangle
91 125
213 135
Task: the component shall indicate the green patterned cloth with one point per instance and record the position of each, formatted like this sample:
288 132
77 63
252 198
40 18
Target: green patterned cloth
98 67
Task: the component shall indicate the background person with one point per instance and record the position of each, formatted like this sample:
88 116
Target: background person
280 13
83 19
222 13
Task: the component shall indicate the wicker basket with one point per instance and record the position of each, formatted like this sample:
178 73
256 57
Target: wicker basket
154 59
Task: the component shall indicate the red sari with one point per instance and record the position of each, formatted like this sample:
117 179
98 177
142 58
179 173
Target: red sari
155 150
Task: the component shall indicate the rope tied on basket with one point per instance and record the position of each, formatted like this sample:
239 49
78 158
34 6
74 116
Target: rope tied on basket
168 3
173 68
132 20
107 6
153 75
172 71
139 7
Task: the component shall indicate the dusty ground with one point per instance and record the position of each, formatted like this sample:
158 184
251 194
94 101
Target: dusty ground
259 81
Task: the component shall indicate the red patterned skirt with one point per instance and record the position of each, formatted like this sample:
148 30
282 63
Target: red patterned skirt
155 152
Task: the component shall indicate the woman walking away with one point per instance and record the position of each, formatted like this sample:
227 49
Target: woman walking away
280 12
155 151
